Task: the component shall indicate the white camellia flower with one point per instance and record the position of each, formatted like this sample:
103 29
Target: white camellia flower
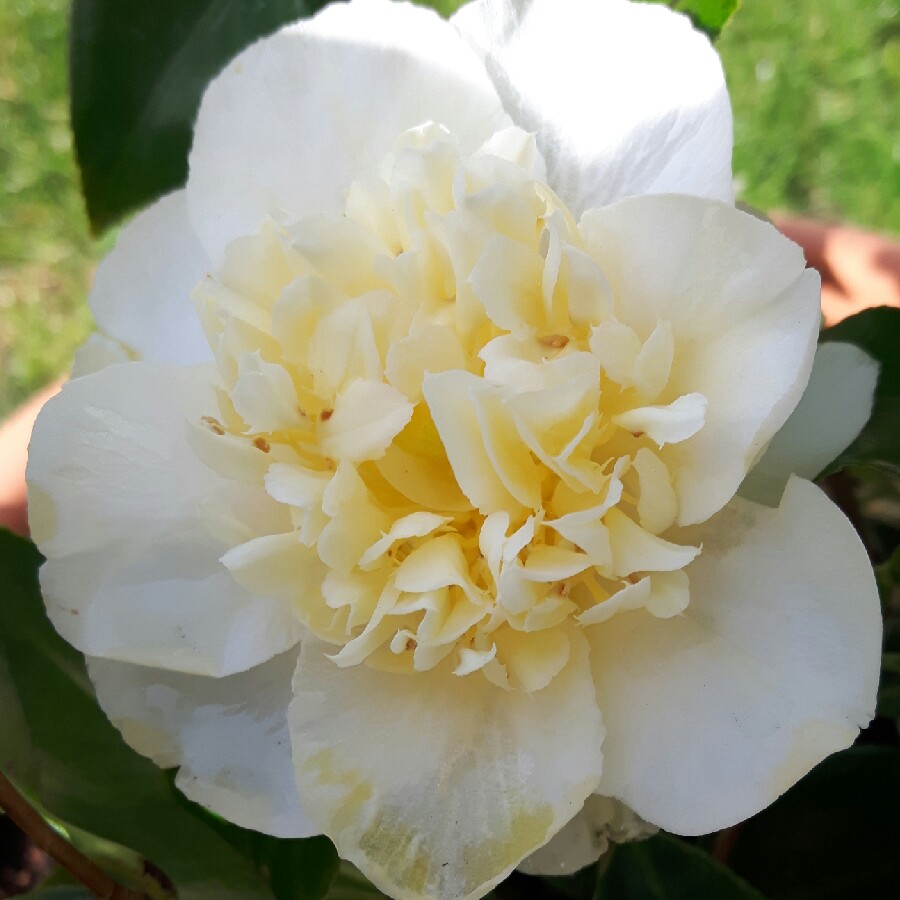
396 500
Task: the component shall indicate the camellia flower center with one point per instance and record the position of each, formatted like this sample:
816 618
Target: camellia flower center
466 449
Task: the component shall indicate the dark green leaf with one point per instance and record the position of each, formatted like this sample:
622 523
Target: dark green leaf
877 331
137 72
301 869
350 884
833 836
582 884
666 868
83 772
63 892
888 577
889 689
708 15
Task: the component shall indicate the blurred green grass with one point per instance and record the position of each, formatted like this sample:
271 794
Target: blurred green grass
815 87
46 252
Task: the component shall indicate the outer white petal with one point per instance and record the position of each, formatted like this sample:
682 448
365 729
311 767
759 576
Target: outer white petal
228 735
120 505
142 290
625 98
745 316
286 126
834 407
587 837
97 352
774 665
467 779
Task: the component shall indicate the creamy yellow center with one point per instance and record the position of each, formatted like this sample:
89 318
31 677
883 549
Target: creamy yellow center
465 445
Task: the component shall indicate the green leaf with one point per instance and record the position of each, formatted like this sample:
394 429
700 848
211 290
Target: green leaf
63 892
351 884
889 688
877 331
300 869
666 868
83 772
445 7
888 577
137 72
710 16
834 835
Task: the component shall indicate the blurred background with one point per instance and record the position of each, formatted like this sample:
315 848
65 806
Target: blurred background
814 84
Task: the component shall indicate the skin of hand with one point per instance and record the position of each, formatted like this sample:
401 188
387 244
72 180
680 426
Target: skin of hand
859 269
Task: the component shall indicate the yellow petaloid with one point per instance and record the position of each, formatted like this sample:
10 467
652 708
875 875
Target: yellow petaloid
470 444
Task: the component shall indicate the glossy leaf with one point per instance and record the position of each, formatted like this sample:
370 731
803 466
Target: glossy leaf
299 869
877 331
710 16
834 835
351 884
62 892
137 72
889 688
84 774
667 868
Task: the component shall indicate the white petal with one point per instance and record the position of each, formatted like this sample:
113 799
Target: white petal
416 524
468 779
636 550
435 348
228 735
679 420
264 396
119 506
506 280
773 666
834 407
744 316
142 290
625 98
587 837
295 117
657 504
367 417
632 596
96 353
449 396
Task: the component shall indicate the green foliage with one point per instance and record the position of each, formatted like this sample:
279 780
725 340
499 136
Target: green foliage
82 773
833 836
889 689
877 331
349 884
62 892
302 869
666 868
137 73
708 15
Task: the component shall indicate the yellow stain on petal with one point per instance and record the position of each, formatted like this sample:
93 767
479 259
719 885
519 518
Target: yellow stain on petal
42 515
358 792
154 742
410 868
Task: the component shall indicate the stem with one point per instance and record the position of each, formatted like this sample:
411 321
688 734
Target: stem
45 838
